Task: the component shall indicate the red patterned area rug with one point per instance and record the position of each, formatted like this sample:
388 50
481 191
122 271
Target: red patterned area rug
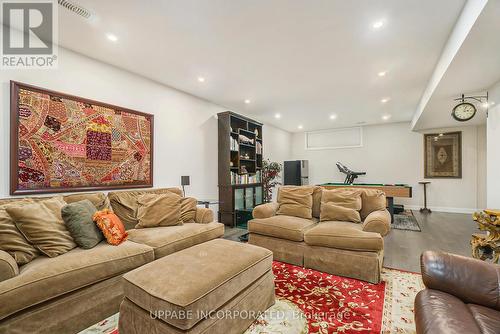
309 301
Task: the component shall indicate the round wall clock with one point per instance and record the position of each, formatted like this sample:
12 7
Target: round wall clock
464 111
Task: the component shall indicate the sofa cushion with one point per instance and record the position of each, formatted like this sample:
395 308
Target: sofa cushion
77 217
42 225
343 235
124 203
284 227
372 200
188 209
295 201
158 210
168 240
330 211
195 280
46 278
440 312
12 241
8 266
486 318
316 197
100 200
348 198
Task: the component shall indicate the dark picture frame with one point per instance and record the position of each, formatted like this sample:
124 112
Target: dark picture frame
443 155
15 189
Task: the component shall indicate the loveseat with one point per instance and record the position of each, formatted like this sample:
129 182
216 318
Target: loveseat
462 295
337 247
70 292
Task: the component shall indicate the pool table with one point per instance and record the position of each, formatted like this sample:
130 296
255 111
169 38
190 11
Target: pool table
391 191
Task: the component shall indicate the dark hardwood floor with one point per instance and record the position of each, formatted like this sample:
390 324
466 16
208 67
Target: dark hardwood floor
449 232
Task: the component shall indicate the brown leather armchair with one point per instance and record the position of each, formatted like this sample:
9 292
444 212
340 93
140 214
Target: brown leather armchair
462 295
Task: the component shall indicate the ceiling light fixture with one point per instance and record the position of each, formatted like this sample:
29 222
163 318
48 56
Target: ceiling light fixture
277 116
385 100
382 73
378 24
112 37
386 117
201 79
247 101
333 116
300 127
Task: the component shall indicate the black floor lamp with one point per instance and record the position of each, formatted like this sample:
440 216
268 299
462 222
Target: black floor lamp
184 182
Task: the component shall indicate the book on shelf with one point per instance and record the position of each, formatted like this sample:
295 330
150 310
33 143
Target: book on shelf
258 148
245 178
234 144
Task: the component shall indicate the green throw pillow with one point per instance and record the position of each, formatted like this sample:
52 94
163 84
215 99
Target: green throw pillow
78 219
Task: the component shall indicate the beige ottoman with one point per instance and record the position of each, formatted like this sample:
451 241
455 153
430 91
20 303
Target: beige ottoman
219 286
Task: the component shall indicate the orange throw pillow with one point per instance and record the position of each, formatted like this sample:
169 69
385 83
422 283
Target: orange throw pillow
111 226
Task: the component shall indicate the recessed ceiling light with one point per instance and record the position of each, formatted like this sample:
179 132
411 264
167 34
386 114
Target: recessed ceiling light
300 127
386 117
333 116
112 37
385 100
201 79
247 101
278 116
382 73
441 134
378 24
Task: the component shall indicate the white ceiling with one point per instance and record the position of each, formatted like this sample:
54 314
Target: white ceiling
474 69
303 59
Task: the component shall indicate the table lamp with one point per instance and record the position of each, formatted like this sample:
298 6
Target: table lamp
184 182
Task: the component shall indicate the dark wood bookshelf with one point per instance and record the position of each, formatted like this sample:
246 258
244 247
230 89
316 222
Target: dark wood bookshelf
240 165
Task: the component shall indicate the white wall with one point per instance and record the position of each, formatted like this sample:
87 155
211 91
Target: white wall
493 142
481 167
392 153
185 127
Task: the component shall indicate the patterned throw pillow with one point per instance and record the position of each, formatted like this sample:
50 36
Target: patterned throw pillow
111 226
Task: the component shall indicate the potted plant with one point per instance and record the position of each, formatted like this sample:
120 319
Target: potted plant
270 178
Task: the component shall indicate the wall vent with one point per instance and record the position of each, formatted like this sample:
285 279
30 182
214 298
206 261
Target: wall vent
75 8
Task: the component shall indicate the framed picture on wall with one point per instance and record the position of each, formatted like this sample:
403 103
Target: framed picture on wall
443 155
65 143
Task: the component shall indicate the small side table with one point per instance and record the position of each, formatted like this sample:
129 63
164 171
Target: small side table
425 209
208 202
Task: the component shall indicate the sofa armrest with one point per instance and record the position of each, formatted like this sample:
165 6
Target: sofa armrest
471 280
204 216
265 210
8 266
378 221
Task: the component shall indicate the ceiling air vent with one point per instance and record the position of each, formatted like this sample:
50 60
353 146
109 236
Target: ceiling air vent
75 8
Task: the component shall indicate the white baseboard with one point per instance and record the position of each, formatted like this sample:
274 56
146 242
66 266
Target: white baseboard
444 209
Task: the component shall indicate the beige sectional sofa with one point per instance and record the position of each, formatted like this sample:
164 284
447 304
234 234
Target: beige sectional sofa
70 292
338 247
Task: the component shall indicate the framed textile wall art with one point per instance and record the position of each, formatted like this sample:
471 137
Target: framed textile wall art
63 143
443 155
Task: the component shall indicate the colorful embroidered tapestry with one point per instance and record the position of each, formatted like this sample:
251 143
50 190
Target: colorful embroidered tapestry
65 143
